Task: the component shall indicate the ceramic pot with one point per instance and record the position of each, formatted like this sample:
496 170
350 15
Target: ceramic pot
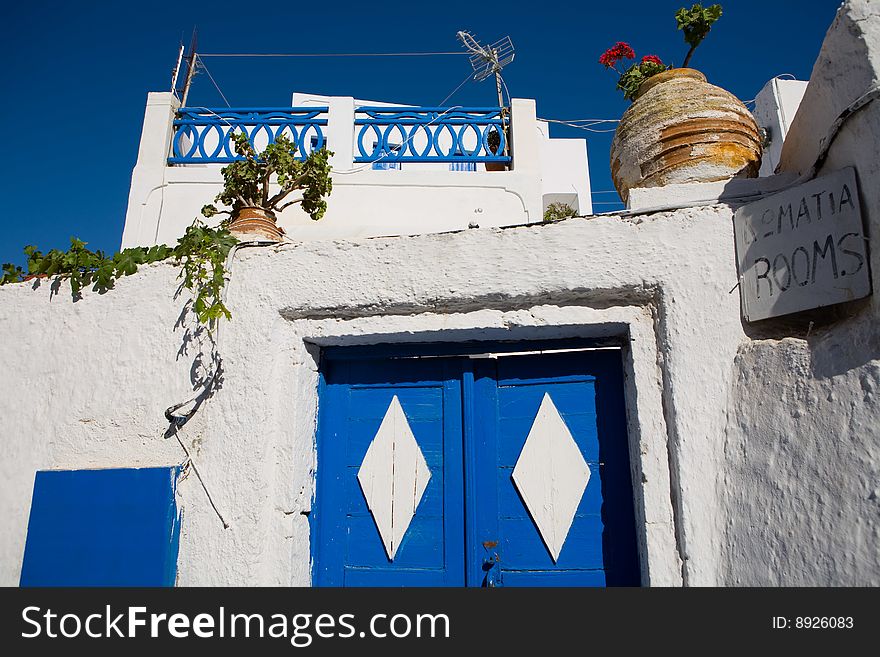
255 223
681 129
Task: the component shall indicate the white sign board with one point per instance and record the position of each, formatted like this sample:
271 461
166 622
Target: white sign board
802 248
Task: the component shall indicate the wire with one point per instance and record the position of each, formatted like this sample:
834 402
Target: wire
781 76
189 461
506 90
587 124
871 94
454 91
175 420
587 120
587 127
334 54
217 86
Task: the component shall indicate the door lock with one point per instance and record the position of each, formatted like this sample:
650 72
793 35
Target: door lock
492 578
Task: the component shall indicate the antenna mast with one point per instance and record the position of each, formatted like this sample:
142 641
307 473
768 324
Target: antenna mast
488 60
190 67
176 70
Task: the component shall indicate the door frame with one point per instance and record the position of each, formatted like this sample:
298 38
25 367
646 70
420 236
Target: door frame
652 411
470 352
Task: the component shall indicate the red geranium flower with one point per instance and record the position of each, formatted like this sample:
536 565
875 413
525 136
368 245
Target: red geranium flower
652 59
615 53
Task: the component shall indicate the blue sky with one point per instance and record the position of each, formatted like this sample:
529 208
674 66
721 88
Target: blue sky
76 76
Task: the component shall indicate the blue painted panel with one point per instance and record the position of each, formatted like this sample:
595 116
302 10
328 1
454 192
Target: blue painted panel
522 547
471 419
586 388
102 528
482 506
422 545
516 399
354 398
579 424
524 578
377 577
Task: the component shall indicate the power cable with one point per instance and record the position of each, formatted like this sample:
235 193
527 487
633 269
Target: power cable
334 54
455 91
217 86
588 127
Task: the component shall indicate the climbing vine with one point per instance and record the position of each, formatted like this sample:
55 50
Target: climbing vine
201 253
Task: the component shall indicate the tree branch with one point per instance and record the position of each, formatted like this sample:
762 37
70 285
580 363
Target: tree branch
687 57
280 196
289 203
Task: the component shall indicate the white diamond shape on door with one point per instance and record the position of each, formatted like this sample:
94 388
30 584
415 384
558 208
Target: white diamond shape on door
551 475
393 476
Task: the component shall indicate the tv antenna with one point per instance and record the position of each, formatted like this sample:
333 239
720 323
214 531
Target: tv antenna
191 62
486 60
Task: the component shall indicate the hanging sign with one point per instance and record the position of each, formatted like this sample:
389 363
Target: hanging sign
802 248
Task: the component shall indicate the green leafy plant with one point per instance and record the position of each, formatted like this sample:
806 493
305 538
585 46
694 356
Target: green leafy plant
632 78
558 212
83 267
201 252
11 274
694 22
246 182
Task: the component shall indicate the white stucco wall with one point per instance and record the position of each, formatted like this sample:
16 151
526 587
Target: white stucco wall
801 473
775 108
102 370
564 171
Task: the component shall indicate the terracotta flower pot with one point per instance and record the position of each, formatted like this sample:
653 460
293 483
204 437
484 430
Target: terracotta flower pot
494 143
681 129
254 223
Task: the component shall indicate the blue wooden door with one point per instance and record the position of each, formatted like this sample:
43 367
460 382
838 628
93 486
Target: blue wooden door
356 396
453 471
572 523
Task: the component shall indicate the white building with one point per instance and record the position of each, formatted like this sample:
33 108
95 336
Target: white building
606 354
427 175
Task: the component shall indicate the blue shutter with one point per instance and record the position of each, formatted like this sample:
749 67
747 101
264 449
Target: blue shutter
102 528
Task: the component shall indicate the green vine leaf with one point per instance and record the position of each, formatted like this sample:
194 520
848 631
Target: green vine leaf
201 252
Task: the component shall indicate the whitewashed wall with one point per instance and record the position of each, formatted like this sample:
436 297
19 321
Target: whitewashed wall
801 463
98 373
755 449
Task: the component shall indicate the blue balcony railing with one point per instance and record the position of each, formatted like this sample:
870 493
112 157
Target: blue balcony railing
392 135
203 136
